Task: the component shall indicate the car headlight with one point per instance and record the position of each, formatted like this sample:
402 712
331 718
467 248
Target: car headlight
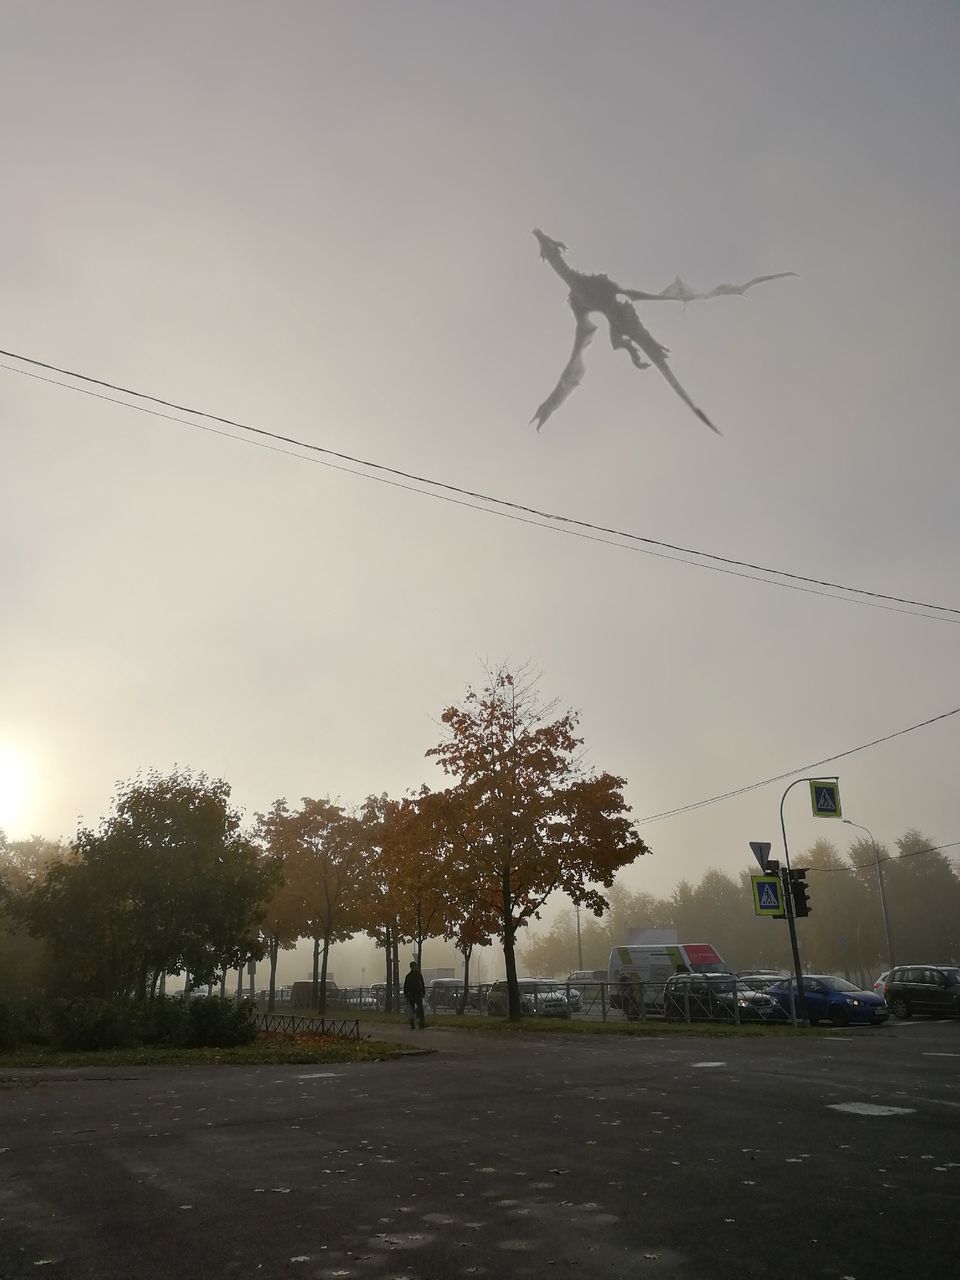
853 1000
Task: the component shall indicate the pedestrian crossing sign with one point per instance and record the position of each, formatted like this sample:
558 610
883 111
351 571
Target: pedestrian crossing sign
825 798
767 895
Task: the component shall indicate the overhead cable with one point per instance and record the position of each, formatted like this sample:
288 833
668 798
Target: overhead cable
539 514
804 768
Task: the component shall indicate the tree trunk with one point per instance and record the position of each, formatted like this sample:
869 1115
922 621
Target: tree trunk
388 948
240 980
323 977
315 993
466 981
274 951
509 954
396 969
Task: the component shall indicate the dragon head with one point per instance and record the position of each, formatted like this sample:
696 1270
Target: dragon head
548 246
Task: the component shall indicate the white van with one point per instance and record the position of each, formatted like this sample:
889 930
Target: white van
647 968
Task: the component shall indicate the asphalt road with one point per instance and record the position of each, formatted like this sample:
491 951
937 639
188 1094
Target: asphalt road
698 1158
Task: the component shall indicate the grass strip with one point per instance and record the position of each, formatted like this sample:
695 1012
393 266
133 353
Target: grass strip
273 1050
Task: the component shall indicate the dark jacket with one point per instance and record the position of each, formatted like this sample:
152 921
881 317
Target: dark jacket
414 987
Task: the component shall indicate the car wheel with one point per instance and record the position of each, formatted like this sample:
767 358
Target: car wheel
899 1007
839 1017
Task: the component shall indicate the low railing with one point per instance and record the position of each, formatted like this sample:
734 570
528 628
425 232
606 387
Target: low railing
594 1001
293 1024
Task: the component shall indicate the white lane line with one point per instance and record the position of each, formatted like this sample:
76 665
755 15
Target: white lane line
708 1064
932 1053
869 1109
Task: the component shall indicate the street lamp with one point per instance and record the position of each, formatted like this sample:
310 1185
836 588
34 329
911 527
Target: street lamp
883 900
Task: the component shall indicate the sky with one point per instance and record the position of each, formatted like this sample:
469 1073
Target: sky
316 219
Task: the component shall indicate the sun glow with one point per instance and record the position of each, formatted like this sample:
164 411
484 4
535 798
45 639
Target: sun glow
13 786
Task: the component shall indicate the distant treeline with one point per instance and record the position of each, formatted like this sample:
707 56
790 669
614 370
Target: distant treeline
843 934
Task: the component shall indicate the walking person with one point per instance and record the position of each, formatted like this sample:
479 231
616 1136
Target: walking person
414 989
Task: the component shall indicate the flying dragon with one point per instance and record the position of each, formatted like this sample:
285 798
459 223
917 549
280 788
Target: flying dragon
589 294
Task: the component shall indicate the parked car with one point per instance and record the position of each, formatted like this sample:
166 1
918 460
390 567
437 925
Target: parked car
832 999
761 979
719 996
879 984
445 993
923 988
359 998
539 997
587 977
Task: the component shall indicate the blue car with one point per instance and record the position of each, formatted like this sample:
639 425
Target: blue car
834 1000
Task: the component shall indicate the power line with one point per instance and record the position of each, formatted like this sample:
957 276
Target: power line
487 498
475 506
804 768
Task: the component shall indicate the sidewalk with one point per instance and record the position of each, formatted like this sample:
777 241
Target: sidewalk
436 1034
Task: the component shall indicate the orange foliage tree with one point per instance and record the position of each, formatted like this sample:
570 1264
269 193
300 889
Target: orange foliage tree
540 822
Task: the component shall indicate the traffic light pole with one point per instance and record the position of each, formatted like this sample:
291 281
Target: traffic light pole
785 880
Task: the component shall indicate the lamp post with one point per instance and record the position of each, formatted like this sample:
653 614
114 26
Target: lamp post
786 881
579 939
883 898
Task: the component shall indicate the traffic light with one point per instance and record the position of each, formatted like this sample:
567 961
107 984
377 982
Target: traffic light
800 891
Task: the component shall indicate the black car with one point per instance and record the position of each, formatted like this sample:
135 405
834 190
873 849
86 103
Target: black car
717 996
923 988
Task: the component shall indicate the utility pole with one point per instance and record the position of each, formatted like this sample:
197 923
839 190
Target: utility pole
579 939
883 899
788 903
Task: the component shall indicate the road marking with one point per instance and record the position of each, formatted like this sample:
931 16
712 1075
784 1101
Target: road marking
932 1053
708 1064
869 1109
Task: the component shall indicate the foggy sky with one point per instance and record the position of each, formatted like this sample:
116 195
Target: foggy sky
316 218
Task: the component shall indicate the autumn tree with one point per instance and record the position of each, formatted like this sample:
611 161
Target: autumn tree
24 961
383 845
168 882
322 866
544 823
463 910
285 912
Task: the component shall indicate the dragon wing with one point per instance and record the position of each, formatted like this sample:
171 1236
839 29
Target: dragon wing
727 289
677 291
574 369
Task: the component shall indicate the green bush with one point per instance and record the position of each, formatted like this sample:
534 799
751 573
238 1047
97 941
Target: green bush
89 1024
164 1020
14 1025
92 1023
217 1023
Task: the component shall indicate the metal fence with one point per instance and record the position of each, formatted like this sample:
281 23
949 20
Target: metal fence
294 1024
686 998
